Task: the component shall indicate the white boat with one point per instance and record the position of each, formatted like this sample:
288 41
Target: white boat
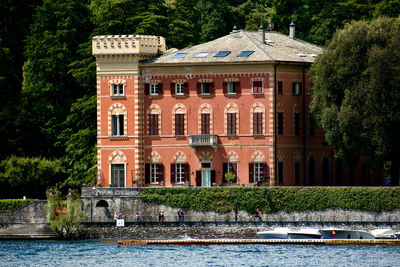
277 233
397 235
345 234
306 233
383 233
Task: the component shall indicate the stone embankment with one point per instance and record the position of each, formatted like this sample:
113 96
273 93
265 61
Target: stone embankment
189 230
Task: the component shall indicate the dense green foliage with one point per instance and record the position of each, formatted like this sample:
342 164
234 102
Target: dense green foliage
47 72
13 204
21 176
65 215
274 199
356 92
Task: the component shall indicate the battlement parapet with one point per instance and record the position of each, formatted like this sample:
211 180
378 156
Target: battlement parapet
128 44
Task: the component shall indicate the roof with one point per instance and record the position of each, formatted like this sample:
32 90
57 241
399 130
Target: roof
277 47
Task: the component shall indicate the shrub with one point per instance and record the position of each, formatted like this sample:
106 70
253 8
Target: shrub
65 215
274 199
13 204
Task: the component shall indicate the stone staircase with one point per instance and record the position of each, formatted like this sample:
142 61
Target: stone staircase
28 231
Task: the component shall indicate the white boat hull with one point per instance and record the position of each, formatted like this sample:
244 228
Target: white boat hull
345 234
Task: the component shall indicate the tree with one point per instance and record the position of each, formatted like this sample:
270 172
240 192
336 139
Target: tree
20 176
356 92
58 28
65 216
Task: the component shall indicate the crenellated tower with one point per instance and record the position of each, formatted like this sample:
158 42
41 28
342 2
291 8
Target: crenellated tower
120 114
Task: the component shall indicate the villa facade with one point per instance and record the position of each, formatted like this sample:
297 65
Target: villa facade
236 104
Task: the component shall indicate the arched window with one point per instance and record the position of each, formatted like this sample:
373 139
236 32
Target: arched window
257 116
231 112
117 120
154 170
231 165
258 169
205 119
180 169
179 119
154 120
117 161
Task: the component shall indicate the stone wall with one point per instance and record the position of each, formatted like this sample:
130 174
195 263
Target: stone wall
34 212
100 204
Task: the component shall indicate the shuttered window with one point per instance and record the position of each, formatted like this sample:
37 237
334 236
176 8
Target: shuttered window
257 123
153 124
179 124
205 123
231 121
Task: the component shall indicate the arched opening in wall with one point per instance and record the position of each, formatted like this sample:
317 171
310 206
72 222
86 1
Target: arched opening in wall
311 170
102 203
325 171
339 172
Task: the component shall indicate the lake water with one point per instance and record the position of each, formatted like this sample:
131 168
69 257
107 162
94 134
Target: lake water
107 253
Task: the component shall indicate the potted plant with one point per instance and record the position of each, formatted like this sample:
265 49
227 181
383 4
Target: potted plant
229 177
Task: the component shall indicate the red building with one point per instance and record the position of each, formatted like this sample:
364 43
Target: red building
236 104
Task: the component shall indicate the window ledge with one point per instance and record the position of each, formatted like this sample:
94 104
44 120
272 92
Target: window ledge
118 97
232 95
155 96
258 94
258 136
233 136
180 96
206 96
180 137
118 137
155 137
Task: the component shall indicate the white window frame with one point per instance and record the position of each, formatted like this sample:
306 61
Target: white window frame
179 173
154 89
116 87
179 89
118 126
257 171
112 173
153 173
203 88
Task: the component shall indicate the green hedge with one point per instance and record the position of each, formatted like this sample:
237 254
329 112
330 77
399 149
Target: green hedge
274 199
13 204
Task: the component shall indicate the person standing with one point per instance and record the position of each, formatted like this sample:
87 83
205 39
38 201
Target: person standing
180 215
137 217
257 215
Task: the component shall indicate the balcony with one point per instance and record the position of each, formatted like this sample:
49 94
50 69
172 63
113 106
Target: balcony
204 140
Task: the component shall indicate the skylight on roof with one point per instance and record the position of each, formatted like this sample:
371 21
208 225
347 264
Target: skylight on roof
202 54
180 55
245 53
222 53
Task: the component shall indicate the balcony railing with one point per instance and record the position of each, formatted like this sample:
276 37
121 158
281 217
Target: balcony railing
204 140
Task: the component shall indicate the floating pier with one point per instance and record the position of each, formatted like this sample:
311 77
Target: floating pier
335 242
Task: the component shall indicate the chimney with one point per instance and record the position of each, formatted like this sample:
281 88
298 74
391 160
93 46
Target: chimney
292 30
262 34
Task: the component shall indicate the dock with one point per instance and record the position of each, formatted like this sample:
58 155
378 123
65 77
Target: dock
329 242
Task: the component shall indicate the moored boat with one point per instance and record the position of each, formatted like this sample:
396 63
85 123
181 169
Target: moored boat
277 233
306 233
345 234
383 233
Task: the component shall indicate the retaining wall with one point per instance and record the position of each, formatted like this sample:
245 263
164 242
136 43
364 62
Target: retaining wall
34 212
100 204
